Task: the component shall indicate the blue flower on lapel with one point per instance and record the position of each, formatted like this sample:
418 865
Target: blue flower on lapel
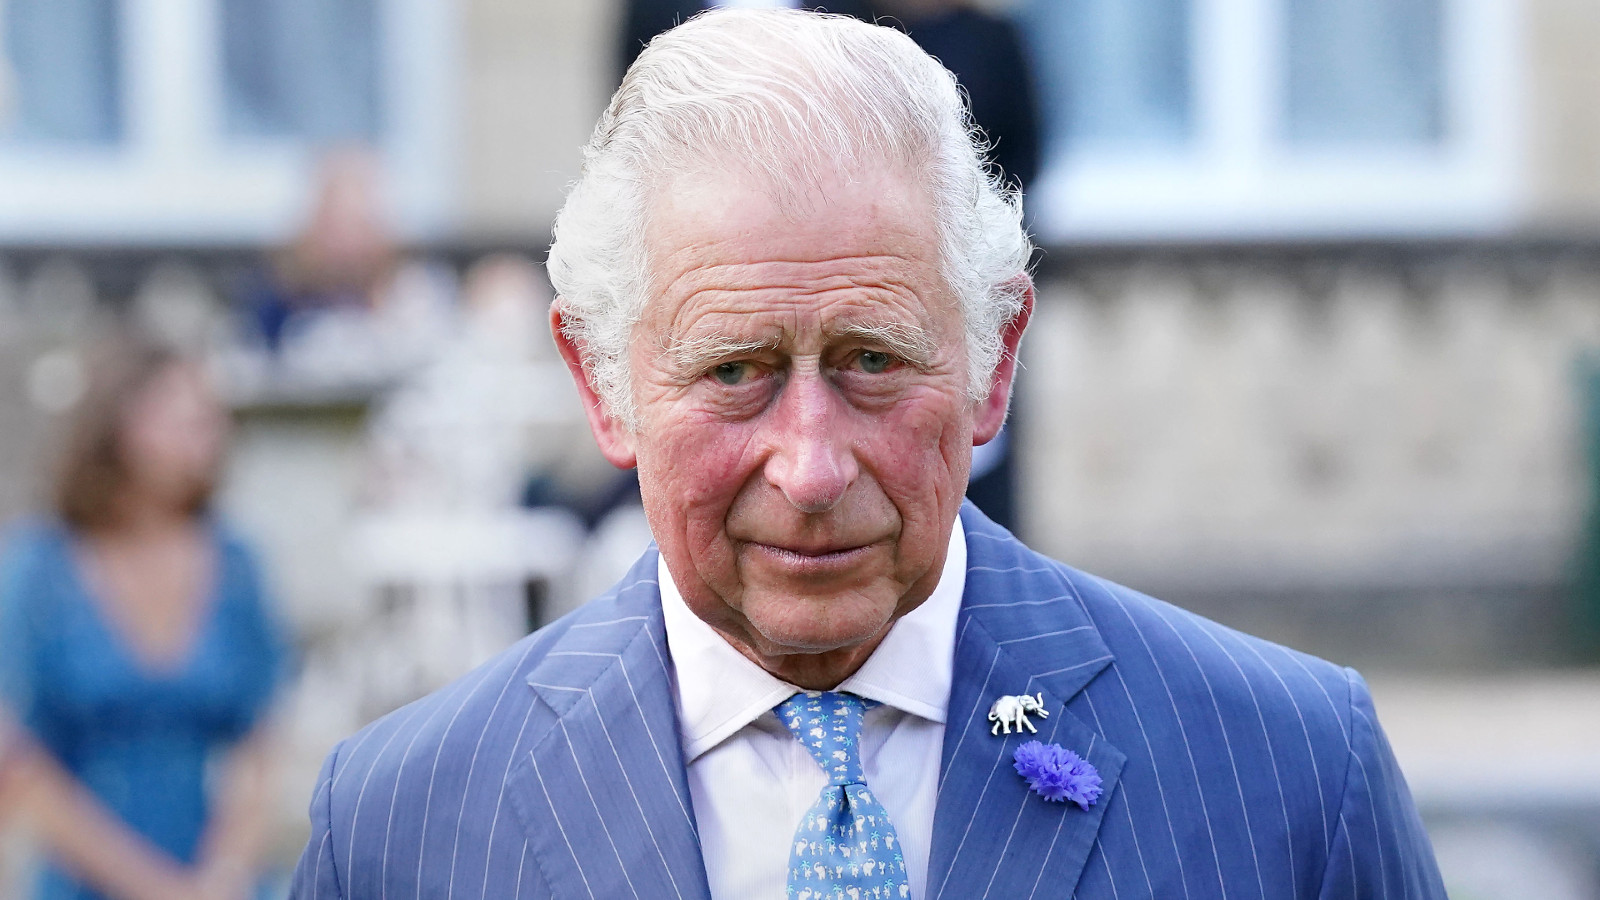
1056 773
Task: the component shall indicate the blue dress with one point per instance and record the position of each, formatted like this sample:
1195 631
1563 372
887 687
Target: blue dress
140 740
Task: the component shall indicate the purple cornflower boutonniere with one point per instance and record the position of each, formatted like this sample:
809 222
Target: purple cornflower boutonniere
1056 773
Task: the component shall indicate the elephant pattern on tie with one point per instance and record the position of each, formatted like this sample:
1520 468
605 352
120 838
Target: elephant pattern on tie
844 848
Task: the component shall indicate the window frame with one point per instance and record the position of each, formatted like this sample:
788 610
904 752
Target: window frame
1240 178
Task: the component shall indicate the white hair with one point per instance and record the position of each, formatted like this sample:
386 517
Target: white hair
790 96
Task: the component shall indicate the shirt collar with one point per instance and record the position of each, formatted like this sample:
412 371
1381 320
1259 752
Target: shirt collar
719 690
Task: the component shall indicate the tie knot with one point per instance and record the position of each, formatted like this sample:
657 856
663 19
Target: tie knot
828 725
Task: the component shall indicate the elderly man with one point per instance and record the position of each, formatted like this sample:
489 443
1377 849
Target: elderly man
791 296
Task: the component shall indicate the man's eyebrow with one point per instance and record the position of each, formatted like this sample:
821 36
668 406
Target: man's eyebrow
696 353
909 342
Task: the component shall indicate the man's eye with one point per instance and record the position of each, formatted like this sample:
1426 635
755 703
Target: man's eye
874 362
731 373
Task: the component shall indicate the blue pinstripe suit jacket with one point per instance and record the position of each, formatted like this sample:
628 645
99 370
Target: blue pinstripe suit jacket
1233 768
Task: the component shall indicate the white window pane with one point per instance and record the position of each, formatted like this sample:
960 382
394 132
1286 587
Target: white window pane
301 68
1365 71
1112 72
64 59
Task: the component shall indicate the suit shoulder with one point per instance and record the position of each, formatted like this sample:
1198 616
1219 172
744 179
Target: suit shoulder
1204 663
406 743
1163 655
492 706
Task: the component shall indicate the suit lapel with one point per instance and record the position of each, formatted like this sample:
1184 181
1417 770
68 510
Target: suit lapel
1021 630
602 792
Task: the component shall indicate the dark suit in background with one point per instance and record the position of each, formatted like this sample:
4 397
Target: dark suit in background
644 19
987 55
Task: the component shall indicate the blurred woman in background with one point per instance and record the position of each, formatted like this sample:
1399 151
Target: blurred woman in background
137 658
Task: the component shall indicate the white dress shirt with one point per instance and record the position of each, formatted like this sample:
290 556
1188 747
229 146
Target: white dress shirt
751 781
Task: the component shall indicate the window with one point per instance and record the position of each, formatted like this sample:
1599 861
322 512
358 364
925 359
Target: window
203 120
1365 71
1251 119
1120 69
301 68
63 60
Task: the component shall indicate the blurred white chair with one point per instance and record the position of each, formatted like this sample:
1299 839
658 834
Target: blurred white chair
447 590
614 546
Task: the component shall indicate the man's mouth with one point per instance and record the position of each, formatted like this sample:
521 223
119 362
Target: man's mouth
816 561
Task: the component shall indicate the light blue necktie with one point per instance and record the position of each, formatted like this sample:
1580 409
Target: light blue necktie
845 848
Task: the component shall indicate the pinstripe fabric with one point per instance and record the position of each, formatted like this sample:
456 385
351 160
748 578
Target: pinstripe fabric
1233 768
553 770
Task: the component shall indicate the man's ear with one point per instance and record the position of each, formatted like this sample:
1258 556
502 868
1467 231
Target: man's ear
615 439
991 410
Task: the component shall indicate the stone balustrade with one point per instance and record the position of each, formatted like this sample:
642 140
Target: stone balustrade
1321 446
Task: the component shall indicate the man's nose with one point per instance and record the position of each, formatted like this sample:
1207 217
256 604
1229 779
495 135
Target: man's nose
812 460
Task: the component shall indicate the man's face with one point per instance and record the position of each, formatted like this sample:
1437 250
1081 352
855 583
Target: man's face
804 430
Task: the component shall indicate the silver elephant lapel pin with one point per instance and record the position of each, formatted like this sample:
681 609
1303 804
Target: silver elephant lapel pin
1013 709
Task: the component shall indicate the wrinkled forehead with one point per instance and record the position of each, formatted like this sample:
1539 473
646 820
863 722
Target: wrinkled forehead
733 230
803 186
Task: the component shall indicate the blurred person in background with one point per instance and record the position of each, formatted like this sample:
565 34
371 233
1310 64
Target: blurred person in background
342 306
985 52
136 651
344 256
644 19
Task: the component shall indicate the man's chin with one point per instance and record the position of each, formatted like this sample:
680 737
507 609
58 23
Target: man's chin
795 625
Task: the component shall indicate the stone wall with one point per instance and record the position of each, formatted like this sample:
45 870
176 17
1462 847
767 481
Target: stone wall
1359 452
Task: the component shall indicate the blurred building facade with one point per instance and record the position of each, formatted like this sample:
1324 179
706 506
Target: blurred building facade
196 121
1346 188
1318 305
